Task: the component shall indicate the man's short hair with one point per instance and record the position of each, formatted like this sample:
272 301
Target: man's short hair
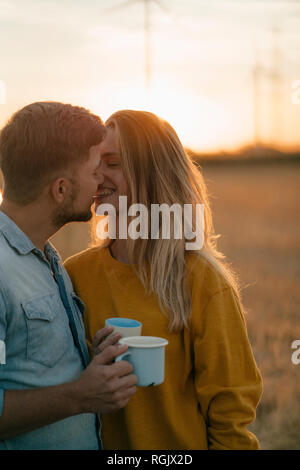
39 141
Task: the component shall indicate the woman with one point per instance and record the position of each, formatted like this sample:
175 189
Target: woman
212 384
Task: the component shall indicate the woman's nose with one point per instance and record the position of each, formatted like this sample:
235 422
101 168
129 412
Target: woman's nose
100 177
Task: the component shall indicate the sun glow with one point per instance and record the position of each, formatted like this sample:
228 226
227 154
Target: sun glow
201 122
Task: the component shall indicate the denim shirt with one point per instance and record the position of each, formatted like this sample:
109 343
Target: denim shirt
42 336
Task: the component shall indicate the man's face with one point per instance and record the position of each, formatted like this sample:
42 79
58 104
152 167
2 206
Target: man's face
77 207
114 183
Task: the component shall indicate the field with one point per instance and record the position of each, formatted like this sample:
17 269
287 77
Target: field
256 211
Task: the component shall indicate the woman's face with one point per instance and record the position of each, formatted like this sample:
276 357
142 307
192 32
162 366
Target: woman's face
114 183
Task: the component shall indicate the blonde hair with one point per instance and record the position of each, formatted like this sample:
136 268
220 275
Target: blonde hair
158 170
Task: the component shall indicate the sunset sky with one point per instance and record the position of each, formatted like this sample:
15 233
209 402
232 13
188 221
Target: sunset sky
204 57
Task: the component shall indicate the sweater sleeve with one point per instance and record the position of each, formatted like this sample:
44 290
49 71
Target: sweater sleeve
227 380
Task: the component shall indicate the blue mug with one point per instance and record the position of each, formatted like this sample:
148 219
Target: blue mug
147 356
125 326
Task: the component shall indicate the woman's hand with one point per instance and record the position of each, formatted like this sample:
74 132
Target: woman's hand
104 338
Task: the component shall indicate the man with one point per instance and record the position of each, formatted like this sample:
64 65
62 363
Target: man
50 396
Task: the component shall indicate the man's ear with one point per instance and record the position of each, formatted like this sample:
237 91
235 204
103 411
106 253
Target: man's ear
60 189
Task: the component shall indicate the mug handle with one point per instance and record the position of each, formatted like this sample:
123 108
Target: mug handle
122 356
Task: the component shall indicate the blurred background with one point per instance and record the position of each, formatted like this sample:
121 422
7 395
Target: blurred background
226 75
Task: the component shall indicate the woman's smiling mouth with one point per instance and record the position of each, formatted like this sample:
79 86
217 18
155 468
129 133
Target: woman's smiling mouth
104 192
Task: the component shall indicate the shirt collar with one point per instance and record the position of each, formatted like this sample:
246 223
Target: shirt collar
19 240
51 252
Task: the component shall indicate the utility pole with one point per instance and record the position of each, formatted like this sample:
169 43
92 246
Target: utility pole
256 99
276 82
147 33
147 46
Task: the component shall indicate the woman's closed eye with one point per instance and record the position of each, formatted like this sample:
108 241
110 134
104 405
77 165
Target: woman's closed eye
113 164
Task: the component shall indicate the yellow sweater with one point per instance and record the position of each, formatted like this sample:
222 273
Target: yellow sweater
212 384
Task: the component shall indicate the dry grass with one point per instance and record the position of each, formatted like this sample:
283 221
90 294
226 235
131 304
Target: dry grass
256 210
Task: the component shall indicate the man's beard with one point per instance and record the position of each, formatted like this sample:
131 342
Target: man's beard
68 213
64 216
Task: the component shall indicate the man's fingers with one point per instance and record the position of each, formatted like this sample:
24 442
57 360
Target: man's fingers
110 340
127 381
113 407
122 387
121 369
125 394
101 334
122 390
110 353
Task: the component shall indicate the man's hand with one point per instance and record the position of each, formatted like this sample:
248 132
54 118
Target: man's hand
105 386
102 388
104 338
